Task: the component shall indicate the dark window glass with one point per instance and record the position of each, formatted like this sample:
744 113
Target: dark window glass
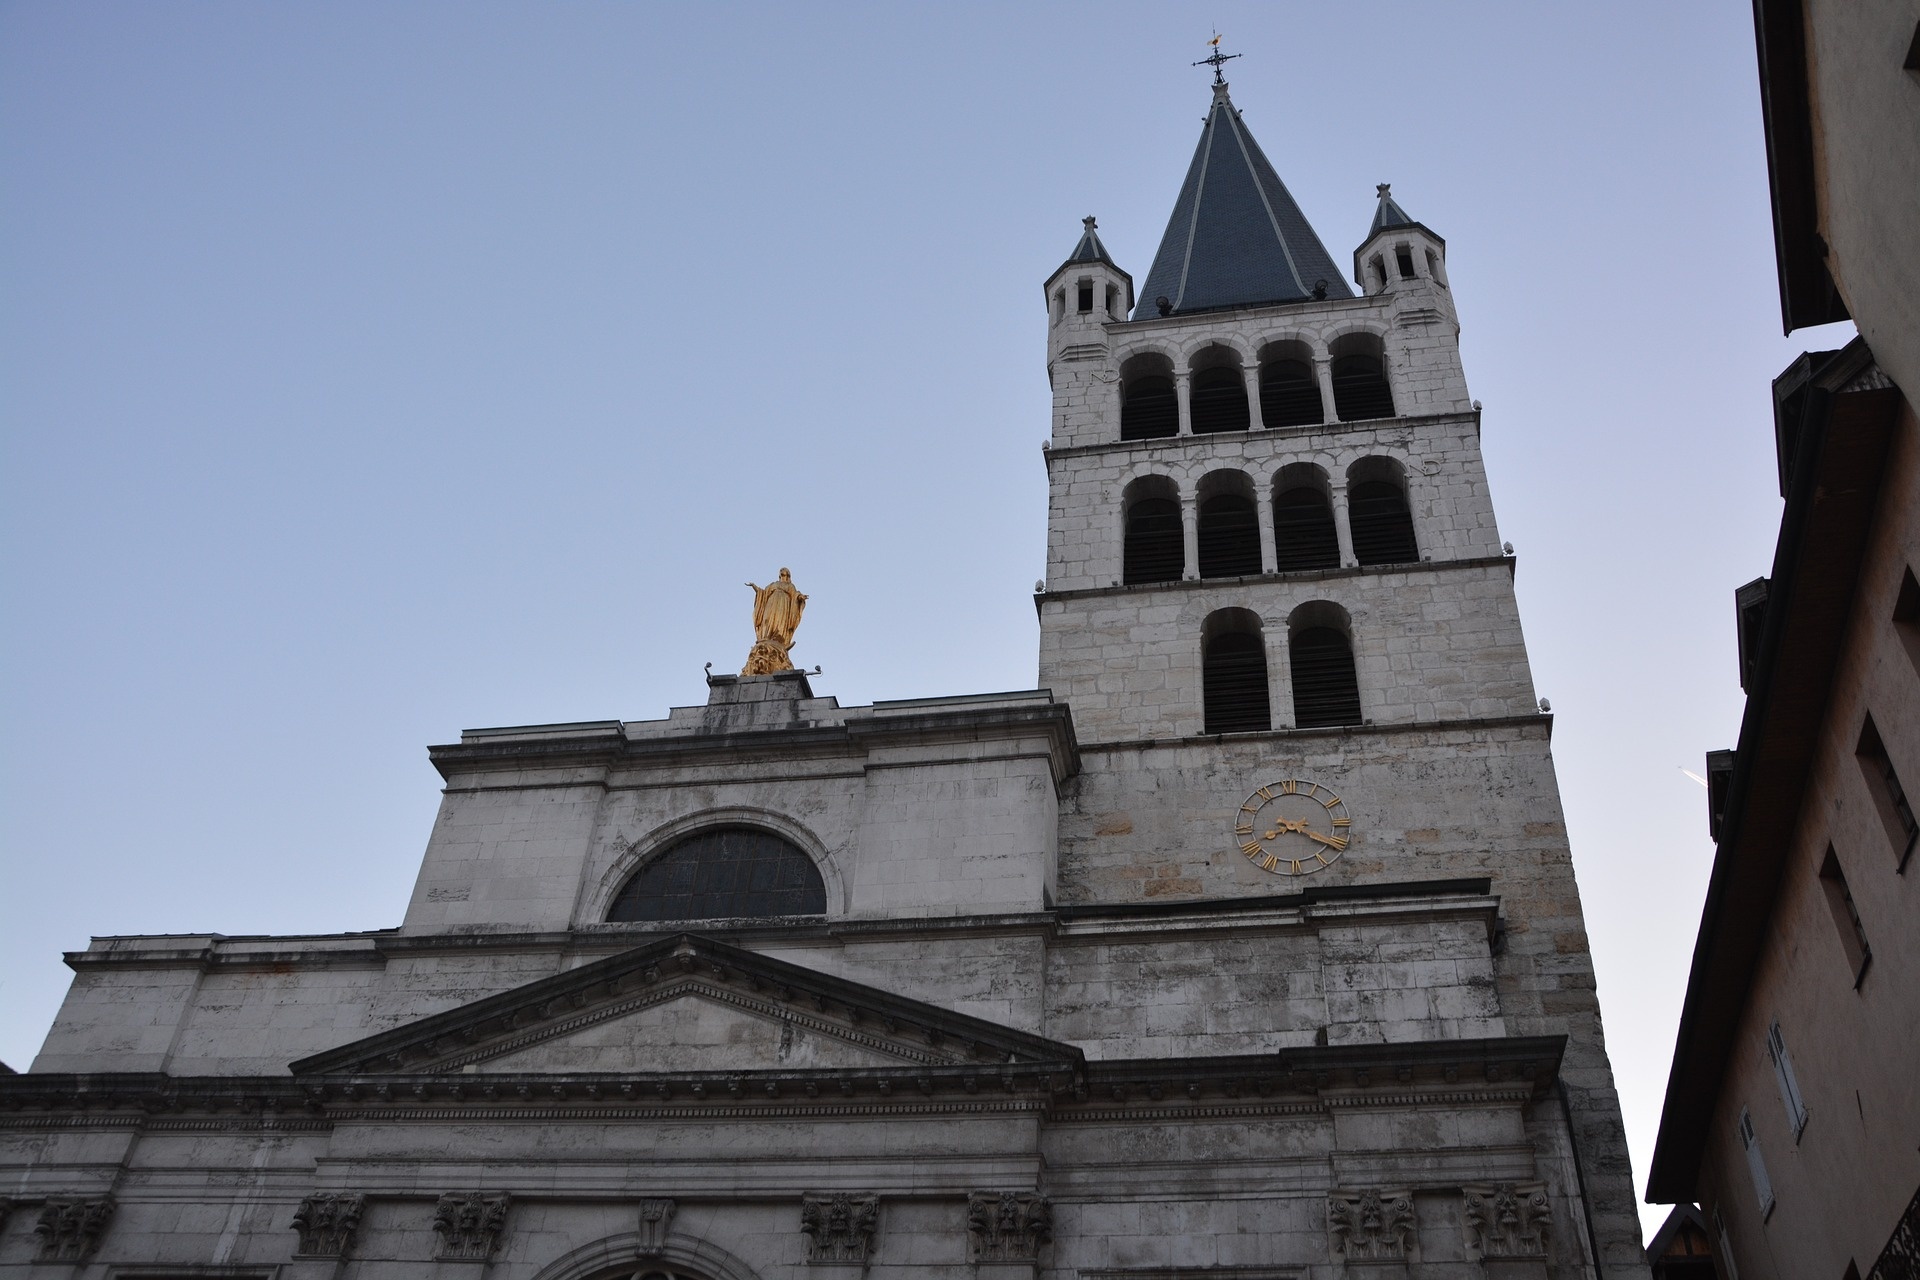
1360 389
1219 401
1303 533
1156 547
1229 537
1289 394
1325 689
1382 526
1149 409
1234 680
724 873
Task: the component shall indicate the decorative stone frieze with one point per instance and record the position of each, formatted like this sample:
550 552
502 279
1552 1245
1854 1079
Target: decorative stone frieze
839 1227
656 1216
1008 1226
470 1224
1372 1226
326 1224
1508 1220
70 1229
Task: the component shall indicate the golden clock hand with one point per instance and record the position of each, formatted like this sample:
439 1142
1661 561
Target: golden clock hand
1332 842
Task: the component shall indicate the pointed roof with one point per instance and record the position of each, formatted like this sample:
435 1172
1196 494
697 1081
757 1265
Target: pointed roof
1389 213
1236 237
1089 249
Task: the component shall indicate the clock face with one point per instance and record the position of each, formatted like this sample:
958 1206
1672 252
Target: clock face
1292 827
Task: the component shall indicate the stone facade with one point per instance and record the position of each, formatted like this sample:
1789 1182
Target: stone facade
1051 1020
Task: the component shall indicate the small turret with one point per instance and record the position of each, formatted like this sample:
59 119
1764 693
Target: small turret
1088 291
1399 253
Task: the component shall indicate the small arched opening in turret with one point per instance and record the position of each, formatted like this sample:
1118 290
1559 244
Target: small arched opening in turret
723 873
1304 536
1219 392
1149 409
1154 544
1326 690
1289 388
1378 514
1229 525
1233 665
1360 390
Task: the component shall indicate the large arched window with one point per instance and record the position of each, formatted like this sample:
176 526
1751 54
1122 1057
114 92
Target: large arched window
1155 544
1219 393
1377 513
1289 388
1149 409
1303 532
1233 673
1326 690
1229 526
1360 388
722 873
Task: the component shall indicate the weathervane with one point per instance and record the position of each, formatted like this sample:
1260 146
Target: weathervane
1216 59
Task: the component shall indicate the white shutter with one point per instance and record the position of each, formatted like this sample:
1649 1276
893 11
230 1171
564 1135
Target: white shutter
1756 1165
1783 1076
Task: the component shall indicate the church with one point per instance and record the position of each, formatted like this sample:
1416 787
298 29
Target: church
1246 945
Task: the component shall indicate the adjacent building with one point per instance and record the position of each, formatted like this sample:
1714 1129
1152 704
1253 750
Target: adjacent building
1793 1108
1246 946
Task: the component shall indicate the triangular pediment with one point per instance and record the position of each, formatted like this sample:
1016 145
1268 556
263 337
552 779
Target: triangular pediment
687 1005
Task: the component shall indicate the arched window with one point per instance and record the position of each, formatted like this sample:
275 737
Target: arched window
1303 531
1155 544
1219 401
1360 388
722 873
1289 394
1325 689
1233 662
1377 513
1229 526
1149 409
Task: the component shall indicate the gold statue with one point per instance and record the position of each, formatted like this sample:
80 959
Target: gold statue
776 616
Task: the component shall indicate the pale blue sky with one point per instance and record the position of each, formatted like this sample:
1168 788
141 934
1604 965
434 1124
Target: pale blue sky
370 371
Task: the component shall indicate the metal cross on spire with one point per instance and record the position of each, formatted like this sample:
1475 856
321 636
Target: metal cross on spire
1216 59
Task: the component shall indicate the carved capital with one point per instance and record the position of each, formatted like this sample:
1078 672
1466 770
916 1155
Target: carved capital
70 1229
1372 1226
656 1216
470 1224
1507 1220
839 1227
326 1224
1008 1226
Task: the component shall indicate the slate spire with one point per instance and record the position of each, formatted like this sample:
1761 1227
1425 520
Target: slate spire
1089 249
1236 237
1389 213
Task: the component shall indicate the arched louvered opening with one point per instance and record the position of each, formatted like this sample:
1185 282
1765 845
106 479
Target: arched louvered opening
1289 394
1219 401
1360 389
1233 660
1229 526
723 873
1154 548
1381 524
1303 532
1149 410
1325 689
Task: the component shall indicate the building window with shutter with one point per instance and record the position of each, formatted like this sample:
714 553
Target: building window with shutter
1784 1078
1378 514
1149 406
1756 1165
1233 661
1326 689
1289 387
1846 917
1219 392
1154 546
1229 526
1303 533
1889 797
1360 389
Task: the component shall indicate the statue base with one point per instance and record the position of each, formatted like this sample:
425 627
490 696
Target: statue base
775 686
